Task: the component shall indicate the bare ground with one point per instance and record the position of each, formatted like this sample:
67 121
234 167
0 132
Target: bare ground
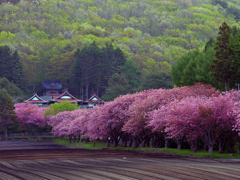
22 160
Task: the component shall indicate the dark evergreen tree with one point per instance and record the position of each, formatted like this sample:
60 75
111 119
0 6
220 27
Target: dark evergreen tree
17 74
93 67
221 2
11 67
157 79
177 71
117 85
210 43
119 60
132 73
224 66
235 30
7 114
5 62
235 11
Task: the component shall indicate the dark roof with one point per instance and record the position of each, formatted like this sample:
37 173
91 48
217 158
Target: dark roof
46 98
52 84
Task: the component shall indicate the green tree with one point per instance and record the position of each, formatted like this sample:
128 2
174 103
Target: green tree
7 114
56 108
157 79
118 85
177 71
10 87
60 67
132 73
11 67
225 65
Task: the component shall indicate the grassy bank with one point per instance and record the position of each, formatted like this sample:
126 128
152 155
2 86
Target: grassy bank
183 152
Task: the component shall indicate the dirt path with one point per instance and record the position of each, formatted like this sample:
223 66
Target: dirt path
46 161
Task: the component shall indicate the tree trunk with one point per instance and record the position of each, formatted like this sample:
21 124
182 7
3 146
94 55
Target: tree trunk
86 140
205 148
193 145
74 139
221 145
130 144
86 90
6 134
226 86
97 90
179 144
78 138
82 92
147 142
143 142
107 143
230 144
167 143
69 138
136 142
115 142
210 149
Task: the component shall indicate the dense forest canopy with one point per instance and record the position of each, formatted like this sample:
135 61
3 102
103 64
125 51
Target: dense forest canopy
152 33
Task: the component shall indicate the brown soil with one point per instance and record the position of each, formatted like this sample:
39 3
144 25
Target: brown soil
30 154
23 160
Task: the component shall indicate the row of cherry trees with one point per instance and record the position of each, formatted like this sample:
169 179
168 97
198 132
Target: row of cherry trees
183 114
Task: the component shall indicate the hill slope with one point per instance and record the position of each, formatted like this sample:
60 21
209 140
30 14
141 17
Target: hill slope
146 30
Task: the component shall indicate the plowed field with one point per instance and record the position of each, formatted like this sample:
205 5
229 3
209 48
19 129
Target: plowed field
46 161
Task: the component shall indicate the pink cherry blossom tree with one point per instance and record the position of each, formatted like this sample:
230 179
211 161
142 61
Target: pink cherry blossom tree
206 117
61 123
30 116
107 121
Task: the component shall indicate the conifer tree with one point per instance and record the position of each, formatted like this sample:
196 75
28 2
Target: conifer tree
7 114
11 67
224 66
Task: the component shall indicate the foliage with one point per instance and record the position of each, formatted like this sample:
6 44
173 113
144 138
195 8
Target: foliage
11 67
157 79
7 114
94 66
30 116
56 108
118 85
225 65
41 31
11 88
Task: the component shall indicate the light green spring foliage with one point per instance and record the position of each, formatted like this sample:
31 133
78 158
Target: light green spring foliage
143 29
10 87
56 108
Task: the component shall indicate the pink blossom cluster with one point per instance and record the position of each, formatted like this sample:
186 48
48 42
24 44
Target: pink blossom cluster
29 115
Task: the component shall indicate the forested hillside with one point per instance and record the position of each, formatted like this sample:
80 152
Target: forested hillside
152 33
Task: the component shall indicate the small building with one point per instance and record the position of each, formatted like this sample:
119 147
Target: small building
65 96
92 101
52 88
36 100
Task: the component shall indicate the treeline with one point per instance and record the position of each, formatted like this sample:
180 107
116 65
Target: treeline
151 33
230 7
218 64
